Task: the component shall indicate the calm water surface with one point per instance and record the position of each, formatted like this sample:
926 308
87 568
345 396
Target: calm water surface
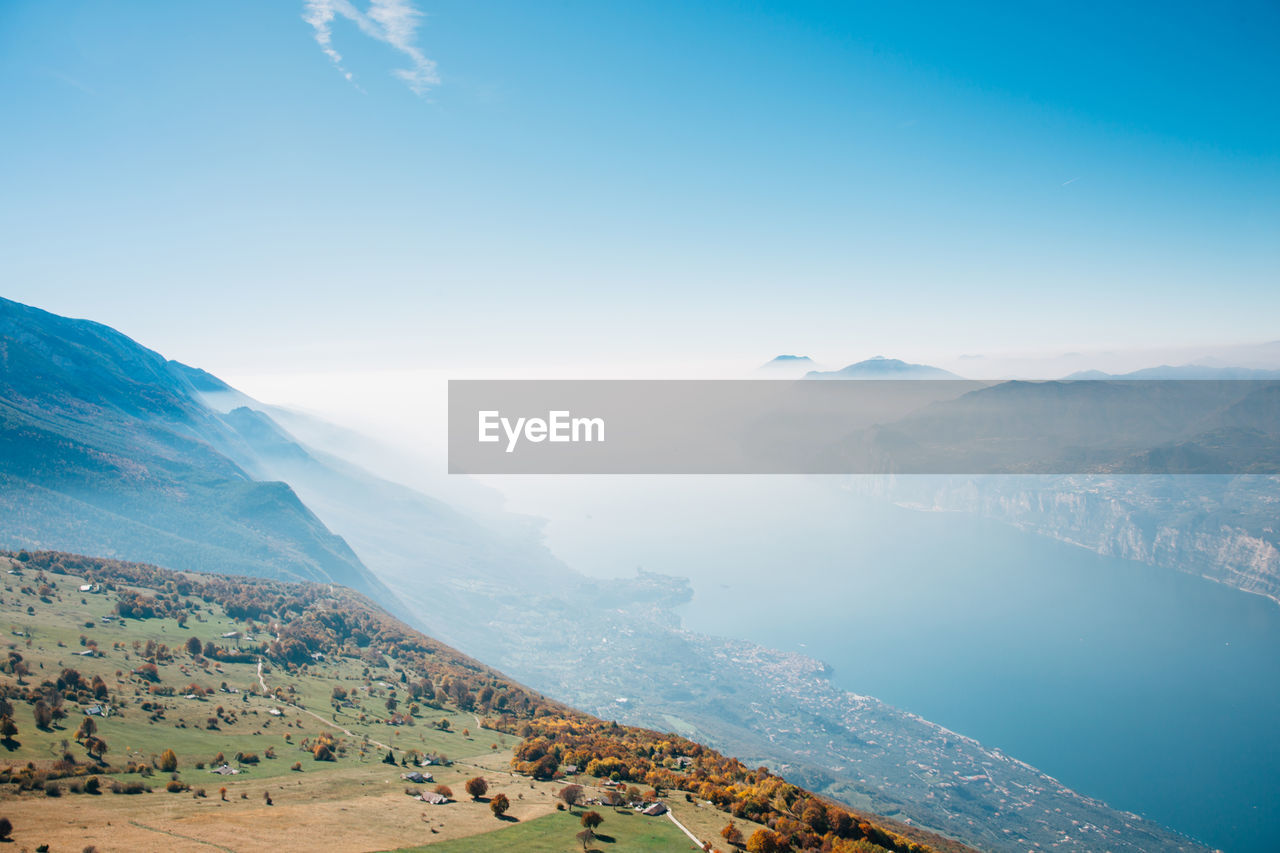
1155 691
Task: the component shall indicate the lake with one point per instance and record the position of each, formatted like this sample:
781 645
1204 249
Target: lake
1155 691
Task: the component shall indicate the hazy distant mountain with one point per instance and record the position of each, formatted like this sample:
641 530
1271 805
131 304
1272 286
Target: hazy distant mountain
106 448
1185 371
453 569
883 368
1117 427
787 365
1264 356
1098 364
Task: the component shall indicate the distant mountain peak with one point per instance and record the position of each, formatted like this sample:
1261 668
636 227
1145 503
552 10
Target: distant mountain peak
880 367
787 365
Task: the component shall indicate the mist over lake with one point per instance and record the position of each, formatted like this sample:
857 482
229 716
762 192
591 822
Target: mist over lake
1153 690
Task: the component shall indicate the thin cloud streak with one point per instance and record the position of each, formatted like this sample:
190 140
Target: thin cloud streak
392 22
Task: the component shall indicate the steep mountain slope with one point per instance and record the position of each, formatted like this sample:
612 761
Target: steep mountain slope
453 570
105 447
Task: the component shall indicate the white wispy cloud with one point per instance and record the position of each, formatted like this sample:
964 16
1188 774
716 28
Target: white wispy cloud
392 22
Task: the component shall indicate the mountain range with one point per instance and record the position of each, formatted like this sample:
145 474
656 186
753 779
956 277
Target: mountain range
1184 371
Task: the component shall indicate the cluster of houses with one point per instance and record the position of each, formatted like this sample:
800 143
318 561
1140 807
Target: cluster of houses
429 797
614 797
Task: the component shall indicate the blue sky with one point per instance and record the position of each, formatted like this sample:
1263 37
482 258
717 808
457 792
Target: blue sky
506 183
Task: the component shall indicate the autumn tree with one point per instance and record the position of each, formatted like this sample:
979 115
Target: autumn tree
168 761
592 819
765 841
8 728
586 837
43 714
571 795
193 646
477 787
6 828
732 835
499 805
545 768
96 747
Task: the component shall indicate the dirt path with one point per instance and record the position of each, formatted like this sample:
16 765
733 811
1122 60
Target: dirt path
685 830
173 834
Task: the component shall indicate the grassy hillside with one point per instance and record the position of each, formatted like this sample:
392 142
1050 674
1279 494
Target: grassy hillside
125 686
555 833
